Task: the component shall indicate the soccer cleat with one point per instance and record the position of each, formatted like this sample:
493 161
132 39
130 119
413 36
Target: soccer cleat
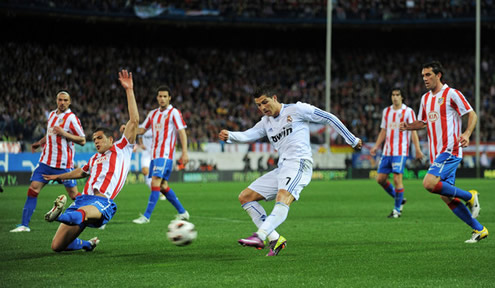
162 197
182 216
141 220
58 206
478 235
102 227
277 245
394 214
404 201
93 241
252 241
474 204
21 228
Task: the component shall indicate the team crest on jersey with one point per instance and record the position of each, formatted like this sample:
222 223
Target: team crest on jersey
101 160
60 120
433 116
441 100
289 119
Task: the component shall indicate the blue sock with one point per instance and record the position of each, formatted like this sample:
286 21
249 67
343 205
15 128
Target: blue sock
399 196
28 210
174 200
389 188
151 203
445 189
78 244
71 218
461 211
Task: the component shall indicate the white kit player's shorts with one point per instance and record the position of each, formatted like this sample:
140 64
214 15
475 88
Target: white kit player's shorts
291 175
145 158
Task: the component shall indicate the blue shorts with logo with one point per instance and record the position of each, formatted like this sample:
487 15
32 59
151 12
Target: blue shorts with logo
392 164
161 167
445 166
106 206
43 169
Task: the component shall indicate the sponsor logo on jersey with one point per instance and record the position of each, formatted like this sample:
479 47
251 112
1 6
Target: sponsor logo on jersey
158 126
101 160
285 132
433 116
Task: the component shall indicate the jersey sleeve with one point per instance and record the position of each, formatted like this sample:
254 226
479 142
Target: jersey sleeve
410 117
250 135
422 111
147 122
316 115
75 126
178 120
383 124
86 168
460 104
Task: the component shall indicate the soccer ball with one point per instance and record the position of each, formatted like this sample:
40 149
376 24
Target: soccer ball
181 232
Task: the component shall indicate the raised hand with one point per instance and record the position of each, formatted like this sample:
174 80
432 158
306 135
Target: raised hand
126 79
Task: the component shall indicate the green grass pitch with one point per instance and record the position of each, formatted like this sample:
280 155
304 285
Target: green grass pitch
338 236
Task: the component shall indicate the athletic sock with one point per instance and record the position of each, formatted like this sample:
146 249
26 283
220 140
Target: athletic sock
277 217
155 193
29 207
461 211
389 188
72 218
258 215
169 193
399 196
445 189
147 180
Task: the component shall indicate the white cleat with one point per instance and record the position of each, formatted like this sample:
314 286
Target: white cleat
93 241
58 206
477 236
102 227
182 216
474 204
21 228
162 197
141 220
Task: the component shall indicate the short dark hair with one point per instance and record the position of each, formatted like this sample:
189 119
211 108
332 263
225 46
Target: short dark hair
106 131
164 88
400 91
266 90
435 66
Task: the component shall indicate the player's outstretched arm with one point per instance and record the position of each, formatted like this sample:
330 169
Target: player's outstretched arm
81 140
416 125
74 174
132 125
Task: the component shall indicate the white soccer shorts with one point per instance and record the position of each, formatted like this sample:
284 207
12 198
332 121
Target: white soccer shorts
145 158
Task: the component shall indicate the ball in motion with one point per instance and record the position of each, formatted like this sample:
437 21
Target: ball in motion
181 232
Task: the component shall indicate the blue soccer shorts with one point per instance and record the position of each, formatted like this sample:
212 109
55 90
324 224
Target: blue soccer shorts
106 206
392 164
43 169
161 167
445 166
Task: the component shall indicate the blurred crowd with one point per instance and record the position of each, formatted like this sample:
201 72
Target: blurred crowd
342 9
212 86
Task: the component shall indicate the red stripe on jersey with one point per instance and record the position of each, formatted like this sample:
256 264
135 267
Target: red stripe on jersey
49 141
157 136
123 143
86 169
69 156
119 185
172 146
392 135
150 121
463 99
401 133
423 116
110 171
433 127
443 117
165 133
59 141
386 127
99 167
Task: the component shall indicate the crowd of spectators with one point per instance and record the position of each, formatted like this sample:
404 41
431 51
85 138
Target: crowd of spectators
212 86
342 9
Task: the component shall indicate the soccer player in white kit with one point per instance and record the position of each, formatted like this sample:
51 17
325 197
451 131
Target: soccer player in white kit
287 129
395 149
63 130
440 112
107 171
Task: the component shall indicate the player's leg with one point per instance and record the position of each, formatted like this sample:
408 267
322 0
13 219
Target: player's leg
71 188
384 169
170 194
29 206
157 167
399 192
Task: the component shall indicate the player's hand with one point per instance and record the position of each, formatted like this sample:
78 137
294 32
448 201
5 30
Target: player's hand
184 158
50 177
373 151
464 140
358 146
419 155
126 79
57 130
35 146
122 128
403 126
223 135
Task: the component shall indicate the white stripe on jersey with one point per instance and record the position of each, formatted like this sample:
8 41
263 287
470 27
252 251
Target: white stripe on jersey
58 152
442 113
164 126
108 171
396 141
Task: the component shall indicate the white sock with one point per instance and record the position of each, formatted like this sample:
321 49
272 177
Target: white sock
277 217
258 215
147 181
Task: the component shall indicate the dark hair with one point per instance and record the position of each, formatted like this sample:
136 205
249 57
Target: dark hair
397 89
164 88
268 91
435 66
106 131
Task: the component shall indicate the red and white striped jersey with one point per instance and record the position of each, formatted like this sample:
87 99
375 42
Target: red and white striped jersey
396 141
58 152
164 125
108 171
442 113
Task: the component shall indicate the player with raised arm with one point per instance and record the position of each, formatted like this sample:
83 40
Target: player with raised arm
287 129
64 129
165 123
440 112
107 171
396 148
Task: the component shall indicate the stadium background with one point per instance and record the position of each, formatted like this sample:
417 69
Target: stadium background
213 53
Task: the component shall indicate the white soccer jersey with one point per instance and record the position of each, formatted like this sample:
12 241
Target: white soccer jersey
164 126
108 171
396 141
442 113
289 131
58 152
